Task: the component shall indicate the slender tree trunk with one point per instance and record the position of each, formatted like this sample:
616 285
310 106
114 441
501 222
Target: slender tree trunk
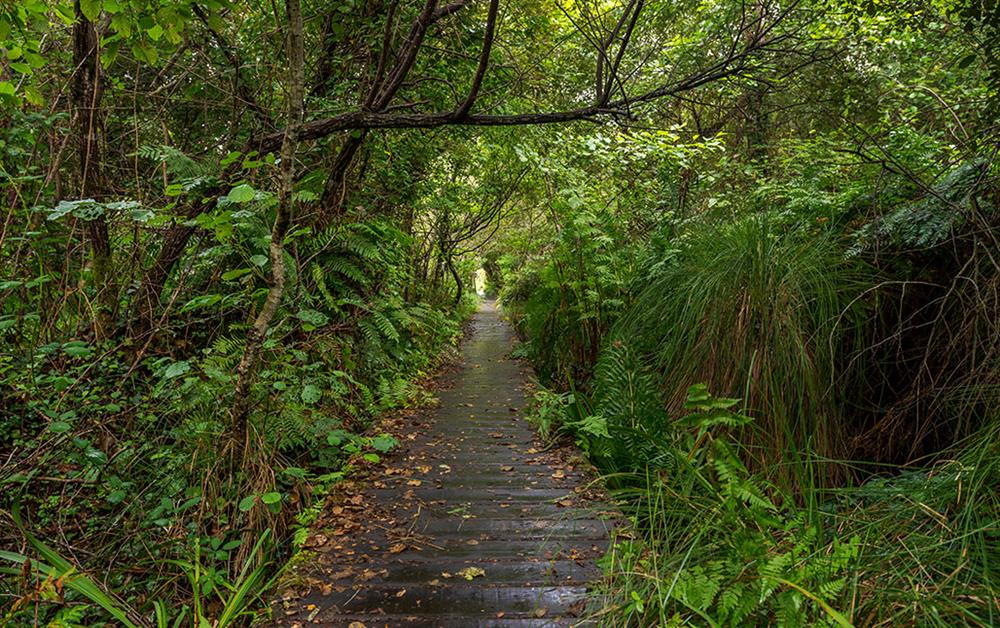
335 188
86 114
458 279
283 216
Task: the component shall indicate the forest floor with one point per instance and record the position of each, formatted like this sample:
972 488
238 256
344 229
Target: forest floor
470 522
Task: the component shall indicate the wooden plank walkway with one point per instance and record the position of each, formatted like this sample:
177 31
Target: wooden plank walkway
469 525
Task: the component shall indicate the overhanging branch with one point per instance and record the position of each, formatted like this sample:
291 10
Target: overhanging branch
363 120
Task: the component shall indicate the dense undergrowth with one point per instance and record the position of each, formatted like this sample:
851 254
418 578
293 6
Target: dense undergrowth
844 311
119 453
852 477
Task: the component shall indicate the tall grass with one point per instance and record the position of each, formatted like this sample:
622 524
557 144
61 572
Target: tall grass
762 315
918 548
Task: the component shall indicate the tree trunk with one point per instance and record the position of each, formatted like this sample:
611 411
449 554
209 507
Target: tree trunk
283 216
86 109
335 189
458 279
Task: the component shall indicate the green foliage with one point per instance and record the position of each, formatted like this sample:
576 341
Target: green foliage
846 302
768 316
342 351
720 545
938 215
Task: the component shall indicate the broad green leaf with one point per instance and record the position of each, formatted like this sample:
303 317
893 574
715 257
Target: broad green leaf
176 369
270 498
91 9
311 394
312 317
384 443
235 274
241 194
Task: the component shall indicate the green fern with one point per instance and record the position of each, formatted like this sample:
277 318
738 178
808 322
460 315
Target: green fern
177 163
347 268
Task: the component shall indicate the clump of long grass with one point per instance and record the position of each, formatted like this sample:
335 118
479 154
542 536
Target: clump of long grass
914 548
930 552
759 314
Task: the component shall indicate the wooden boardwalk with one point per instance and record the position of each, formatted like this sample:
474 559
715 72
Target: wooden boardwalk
469 525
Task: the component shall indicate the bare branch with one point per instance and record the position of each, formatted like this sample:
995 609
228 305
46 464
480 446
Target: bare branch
484 59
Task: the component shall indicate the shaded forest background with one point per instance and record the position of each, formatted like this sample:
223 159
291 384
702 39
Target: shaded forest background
751 247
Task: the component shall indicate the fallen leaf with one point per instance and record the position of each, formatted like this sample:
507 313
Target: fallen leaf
397 548
500 614
356 624
471 572
315 540
565 503
559 475
540 612
413 482
401 593
445 574
506 467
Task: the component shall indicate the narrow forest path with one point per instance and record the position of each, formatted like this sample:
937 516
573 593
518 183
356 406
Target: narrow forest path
469 525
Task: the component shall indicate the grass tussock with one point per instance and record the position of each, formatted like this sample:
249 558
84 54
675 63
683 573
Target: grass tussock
759 314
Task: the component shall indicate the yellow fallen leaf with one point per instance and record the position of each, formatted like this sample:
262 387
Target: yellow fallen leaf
471 572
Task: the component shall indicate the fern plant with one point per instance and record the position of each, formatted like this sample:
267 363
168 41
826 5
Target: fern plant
719 545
